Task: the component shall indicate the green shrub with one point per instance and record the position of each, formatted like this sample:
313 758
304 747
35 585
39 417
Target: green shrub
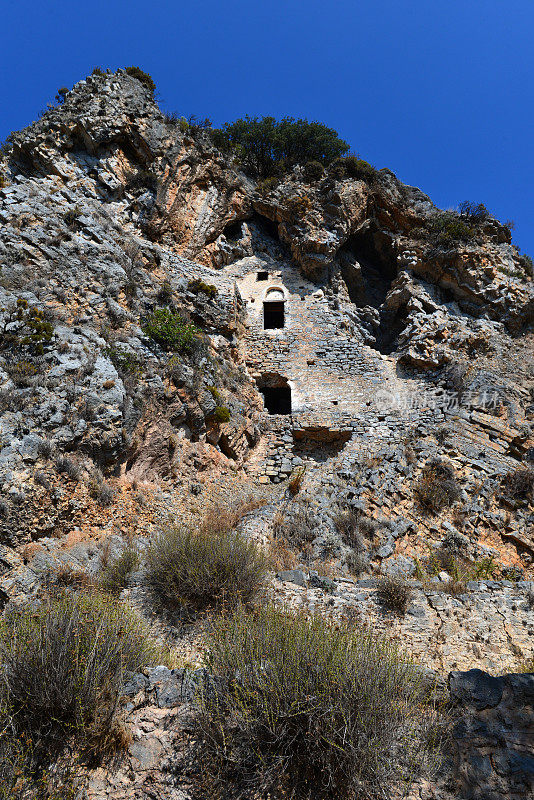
222 414
448 228
268 147
215 393
203 569
142 179
170 330
165 293
313 171
197 285
144 77
460 569
298 205
23 373
26 326
114 576
527 265
395 592
266 186
309 709
353 167
527 666
63 666
125 362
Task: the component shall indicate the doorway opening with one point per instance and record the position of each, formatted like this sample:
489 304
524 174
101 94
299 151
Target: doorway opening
273 314
277 399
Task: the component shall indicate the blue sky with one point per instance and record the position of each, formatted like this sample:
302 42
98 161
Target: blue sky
439 91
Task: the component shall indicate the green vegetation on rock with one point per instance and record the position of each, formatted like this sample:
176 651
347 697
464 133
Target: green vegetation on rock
268 147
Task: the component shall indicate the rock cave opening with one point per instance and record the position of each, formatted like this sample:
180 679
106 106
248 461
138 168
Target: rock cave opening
368 266
233 232
264 225
392 323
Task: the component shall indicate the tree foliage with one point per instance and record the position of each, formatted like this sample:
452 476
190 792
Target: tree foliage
268 146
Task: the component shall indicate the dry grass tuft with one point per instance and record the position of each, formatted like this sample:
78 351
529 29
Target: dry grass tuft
64 661
395 592
437 487
211 567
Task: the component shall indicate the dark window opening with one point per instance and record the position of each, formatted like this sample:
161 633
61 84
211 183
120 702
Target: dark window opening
277 399
273 314
262 276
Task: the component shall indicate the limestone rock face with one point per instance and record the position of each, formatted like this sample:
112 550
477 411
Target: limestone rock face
495 734
324 344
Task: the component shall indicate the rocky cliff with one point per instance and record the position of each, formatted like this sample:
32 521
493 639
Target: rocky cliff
141 380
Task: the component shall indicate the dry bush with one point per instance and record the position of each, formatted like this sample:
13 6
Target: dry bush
358 562
68 467
18 780
519 484
306 709
453 587
282 557
63 665
114 576
99 489
68 575
295 480
395 592
45 448
437 487
297 525
209 567
354 528
227 517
